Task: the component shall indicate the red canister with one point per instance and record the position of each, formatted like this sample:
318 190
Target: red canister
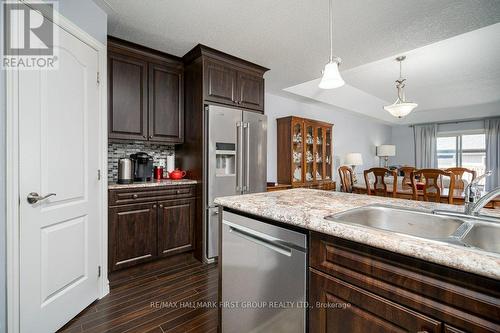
158 172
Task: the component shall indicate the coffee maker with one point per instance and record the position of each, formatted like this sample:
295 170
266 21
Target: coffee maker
143 166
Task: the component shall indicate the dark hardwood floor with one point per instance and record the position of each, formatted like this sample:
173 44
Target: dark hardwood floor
172 295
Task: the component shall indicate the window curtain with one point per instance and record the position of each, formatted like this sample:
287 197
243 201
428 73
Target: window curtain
425 137
492 131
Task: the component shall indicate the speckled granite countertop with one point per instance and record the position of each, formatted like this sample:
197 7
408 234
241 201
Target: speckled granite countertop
307 208
153 183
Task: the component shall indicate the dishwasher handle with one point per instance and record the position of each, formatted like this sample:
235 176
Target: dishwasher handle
272 245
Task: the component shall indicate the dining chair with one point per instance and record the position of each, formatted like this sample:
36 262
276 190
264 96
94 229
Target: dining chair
459 173
380 187
432 186
406 181
346 179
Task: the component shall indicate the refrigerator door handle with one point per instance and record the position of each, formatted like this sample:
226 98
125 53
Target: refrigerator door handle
246 186
239 157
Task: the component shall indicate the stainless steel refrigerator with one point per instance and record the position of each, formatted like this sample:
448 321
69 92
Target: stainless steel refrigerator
236 160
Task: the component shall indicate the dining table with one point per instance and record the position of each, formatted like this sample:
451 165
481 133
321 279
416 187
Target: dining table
406 192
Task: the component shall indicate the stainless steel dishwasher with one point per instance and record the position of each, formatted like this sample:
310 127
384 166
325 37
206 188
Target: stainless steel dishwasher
263 277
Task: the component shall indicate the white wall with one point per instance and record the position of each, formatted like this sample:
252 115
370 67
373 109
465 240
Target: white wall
351 133
462 127
402 137
89 17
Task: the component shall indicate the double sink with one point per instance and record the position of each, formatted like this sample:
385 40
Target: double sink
471 231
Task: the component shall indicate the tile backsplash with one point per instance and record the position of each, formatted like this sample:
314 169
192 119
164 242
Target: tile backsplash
121 149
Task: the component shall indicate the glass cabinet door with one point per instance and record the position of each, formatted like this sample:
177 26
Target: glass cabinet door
309 152
297 151
319 156
328 153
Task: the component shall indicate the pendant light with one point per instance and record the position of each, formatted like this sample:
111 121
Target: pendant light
401 107
331 76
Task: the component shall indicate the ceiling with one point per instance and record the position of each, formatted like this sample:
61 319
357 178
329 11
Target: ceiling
441 77
291 36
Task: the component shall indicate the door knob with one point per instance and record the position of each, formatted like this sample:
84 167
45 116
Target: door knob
34 197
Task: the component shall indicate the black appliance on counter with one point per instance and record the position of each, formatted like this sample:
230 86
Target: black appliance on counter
143 166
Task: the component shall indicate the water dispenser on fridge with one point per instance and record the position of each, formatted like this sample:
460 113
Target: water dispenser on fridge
225 159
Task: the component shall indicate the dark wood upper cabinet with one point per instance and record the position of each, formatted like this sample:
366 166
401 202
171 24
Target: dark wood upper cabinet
250 91
175 226
220 82
166 104
127 97
145 94
132 235
225 79
229 84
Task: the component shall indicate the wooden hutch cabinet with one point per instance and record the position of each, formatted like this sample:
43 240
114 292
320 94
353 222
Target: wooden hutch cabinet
305 151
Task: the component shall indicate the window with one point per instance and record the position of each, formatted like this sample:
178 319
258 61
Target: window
462 150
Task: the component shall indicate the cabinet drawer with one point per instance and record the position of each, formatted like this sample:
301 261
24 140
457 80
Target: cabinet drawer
338 306
465 301
128 196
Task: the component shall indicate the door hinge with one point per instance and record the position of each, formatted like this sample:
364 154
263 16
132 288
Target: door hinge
98 174
98 271
98 78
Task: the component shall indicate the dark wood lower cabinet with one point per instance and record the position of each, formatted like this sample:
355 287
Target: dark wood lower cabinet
132 235
146 231
341 307
389 292
176 226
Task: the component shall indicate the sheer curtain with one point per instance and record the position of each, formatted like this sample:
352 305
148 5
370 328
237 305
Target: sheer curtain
425 145
492 131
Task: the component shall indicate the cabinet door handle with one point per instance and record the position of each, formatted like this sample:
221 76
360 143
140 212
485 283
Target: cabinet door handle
161 206
150 136
144 136
135 196
154 206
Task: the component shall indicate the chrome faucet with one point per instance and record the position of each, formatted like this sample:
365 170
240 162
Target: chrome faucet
473 200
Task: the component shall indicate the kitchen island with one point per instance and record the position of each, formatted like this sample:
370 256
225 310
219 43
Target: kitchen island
390 281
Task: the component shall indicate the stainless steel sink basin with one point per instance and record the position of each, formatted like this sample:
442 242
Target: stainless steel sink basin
484 236
408 222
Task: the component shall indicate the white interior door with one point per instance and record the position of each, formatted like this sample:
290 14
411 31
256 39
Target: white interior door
58 153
